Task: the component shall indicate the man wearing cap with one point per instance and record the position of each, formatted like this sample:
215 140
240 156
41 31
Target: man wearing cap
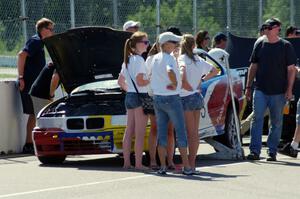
220 41
131 26
273 66
292 32
166 83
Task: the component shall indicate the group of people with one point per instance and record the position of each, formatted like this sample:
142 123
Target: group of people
172 75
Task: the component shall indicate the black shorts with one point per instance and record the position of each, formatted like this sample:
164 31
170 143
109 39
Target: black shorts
27 103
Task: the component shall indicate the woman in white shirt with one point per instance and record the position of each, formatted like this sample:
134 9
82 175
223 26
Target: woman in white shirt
133 75
166 84
152 142
192 69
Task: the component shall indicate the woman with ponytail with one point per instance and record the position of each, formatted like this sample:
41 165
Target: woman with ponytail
192 70
133 80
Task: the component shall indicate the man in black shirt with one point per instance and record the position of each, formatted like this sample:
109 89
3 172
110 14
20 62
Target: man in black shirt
43 88
273 66
31 61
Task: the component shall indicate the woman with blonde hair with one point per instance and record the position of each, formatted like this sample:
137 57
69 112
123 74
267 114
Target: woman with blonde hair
192 70
132 80
152 142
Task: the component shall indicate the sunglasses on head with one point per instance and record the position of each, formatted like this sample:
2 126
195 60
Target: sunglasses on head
147 42
173 42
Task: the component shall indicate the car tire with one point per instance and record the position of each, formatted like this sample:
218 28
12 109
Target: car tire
52 159
229 138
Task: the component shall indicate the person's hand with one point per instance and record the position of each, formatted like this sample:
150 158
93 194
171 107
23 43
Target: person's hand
21 84
171 87
248 94
288 94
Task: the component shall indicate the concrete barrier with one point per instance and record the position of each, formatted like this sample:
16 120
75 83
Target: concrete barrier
12 119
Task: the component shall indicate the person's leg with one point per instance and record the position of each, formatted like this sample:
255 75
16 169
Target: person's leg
152 142
296 138
170 146
29 128
140 129
128 135
276 104
162 120
259 107
175 112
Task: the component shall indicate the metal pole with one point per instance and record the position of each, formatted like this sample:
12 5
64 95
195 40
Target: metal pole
157 17
260 13
228 2
195 16
23 18
72 9
292 12
115 11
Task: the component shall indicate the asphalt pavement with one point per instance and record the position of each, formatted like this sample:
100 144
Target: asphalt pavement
101 176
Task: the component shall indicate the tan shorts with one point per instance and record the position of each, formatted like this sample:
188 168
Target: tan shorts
38 104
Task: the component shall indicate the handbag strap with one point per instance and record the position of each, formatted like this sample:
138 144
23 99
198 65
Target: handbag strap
137 91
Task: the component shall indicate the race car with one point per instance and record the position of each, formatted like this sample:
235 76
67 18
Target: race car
91 119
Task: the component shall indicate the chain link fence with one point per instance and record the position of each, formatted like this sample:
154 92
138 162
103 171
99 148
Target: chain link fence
241 17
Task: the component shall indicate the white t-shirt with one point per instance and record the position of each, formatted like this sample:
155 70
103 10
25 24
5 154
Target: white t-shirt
194 71
135 66
161 64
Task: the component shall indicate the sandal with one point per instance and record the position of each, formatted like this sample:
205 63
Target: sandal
128 168
172 167
154 167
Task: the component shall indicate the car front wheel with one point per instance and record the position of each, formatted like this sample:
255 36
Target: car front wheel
52 159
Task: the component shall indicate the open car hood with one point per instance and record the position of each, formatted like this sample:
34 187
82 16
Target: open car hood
87 54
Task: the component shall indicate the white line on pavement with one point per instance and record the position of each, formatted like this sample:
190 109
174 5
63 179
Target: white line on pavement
101 182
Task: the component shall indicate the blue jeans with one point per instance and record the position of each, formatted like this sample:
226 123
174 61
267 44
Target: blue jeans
261 102
169 108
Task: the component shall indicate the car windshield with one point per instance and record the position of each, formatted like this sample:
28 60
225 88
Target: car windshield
98 86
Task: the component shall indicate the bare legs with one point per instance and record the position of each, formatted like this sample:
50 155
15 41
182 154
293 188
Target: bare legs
136 125
192 125
29 128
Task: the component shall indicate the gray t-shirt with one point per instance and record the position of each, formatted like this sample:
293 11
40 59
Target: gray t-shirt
273 60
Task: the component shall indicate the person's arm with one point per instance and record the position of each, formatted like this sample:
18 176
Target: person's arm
251 75
172 78
185 84
291 78
54 84
22 55
213 72
122 83
141 81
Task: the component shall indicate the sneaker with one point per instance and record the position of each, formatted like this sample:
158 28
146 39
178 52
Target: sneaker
187 172
196 172
162 171
289 151
28 148
272 157
253 156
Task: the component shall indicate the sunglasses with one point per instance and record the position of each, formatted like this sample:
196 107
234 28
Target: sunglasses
173 42
145 42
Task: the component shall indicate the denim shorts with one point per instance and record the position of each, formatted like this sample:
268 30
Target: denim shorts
298 113
132 101
169 108
192 102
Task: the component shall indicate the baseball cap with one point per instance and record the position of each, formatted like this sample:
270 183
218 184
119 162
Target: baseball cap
220 36
168 36
130 24
272 22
